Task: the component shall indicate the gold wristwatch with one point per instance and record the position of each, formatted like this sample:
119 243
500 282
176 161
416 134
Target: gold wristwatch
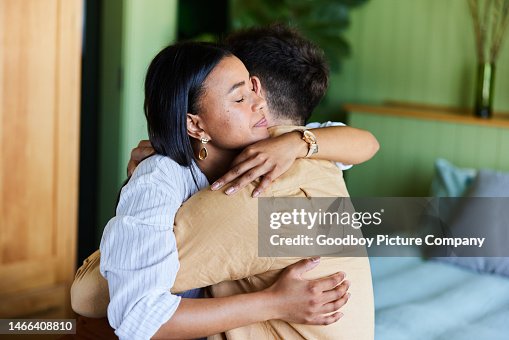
310 138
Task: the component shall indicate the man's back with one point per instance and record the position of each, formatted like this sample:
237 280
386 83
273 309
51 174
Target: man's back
227 249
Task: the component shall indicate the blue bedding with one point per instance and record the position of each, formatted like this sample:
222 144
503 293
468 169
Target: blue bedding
416 299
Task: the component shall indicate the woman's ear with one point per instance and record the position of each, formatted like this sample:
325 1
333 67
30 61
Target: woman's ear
257 86
194 129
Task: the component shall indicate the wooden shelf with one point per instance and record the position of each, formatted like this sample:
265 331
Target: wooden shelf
428 112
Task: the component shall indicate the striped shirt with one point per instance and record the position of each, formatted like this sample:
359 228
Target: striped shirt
138 249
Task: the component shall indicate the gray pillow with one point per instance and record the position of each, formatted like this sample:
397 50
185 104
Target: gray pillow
450 180
490 183
485 213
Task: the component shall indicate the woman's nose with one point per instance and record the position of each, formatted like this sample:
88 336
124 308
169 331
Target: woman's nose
258 102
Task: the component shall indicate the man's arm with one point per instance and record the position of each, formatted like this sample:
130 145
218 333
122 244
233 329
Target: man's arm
287 299
217 239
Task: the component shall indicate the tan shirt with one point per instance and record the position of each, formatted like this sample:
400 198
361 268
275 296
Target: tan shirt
217 238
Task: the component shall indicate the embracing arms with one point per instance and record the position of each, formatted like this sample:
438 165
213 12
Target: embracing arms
291 298
272 157
139 260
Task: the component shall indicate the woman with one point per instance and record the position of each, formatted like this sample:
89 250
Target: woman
200 105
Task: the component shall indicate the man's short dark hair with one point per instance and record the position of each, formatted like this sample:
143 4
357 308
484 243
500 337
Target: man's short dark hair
293 71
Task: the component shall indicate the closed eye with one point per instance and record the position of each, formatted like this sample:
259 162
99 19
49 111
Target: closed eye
240 100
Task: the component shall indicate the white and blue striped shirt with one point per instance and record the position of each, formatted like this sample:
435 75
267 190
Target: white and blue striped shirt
138 249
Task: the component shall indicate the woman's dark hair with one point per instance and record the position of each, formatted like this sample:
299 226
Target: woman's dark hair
173 87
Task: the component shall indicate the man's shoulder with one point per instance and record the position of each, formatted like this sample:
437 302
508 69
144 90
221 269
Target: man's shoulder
309 174
311 178
307 170
306 177
207 199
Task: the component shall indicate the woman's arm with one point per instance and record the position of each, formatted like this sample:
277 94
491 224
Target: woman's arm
291 298
344 144
139 257
272 157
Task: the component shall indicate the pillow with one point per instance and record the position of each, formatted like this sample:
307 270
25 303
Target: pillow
490 183
490 213
449 180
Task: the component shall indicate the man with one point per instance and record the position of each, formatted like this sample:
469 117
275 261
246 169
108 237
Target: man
217 234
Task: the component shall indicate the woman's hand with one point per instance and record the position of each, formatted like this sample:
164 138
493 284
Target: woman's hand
313 302
142 151
269 159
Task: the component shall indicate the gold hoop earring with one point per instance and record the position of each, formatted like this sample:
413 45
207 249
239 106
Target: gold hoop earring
203 151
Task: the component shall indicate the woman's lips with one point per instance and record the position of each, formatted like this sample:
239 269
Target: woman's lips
262 123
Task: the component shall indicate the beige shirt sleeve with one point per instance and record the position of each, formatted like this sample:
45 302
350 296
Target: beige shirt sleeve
217 238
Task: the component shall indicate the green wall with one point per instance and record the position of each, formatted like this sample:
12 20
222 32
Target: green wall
110 109
148 29
409 147
418 51
133 32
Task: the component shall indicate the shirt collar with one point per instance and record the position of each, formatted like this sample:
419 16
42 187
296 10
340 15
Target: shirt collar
278 130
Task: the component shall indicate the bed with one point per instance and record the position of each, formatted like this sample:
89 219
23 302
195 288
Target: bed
448 298
417 299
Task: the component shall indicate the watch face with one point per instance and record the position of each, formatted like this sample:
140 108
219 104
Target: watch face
309 137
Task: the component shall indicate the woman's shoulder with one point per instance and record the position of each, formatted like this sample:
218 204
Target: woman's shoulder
163 164
164 171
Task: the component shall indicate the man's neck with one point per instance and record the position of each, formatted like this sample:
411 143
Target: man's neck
279 124
281 121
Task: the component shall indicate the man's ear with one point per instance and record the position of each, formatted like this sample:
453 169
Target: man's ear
194 129
257 86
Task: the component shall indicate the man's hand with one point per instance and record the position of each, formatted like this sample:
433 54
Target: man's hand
142 151
269 159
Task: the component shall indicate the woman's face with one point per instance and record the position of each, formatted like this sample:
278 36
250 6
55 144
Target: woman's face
231 112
